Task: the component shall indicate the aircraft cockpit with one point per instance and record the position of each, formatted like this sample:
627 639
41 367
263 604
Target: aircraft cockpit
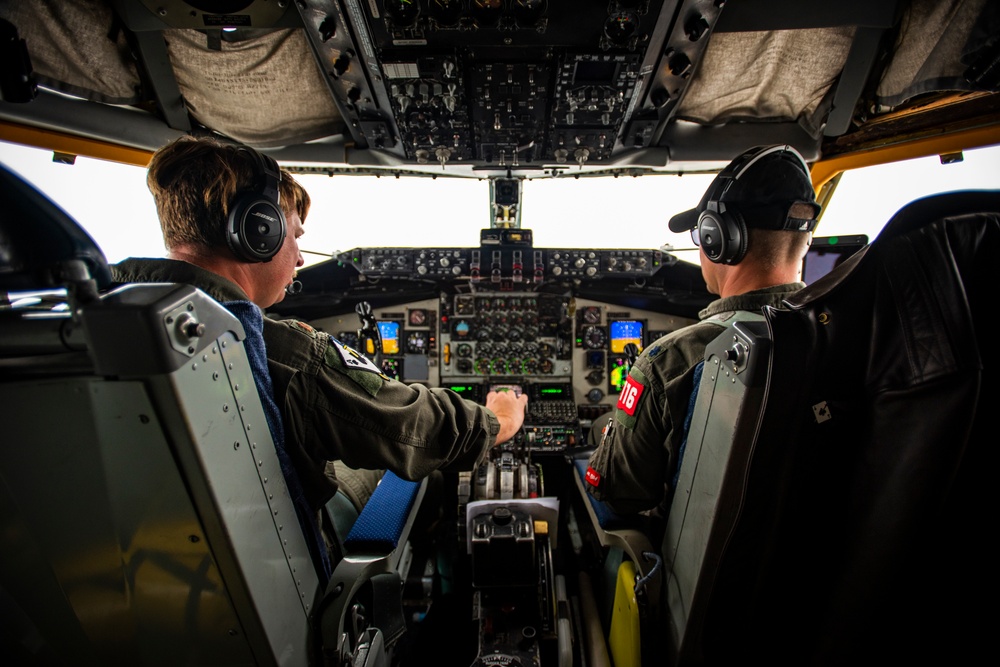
832 495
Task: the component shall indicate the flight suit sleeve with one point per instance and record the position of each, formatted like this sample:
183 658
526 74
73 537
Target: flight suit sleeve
632 466
344 408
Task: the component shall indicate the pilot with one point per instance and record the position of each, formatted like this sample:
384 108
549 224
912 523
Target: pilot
753 227
224 232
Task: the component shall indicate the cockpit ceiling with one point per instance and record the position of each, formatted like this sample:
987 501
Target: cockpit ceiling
637 84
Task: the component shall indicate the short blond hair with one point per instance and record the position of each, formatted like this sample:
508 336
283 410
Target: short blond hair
195 179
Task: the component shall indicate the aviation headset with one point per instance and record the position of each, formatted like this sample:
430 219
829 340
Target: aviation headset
256 227
722 227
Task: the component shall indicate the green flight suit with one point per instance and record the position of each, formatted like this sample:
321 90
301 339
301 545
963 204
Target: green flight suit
335 412
633 465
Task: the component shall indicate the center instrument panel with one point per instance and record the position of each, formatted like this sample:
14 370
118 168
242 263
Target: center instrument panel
511 317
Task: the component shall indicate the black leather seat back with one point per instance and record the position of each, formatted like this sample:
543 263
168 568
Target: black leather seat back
863 531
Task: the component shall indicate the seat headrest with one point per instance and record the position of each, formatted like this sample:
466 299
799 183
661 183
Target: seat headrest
40 243
944 205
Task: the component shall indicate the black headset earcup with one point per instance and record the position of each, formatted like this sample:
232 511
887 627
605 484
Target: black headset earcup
256 228
723 235
256 225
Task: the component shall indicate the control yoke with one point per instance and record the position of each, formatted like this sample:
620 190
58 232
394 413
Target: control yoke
369 333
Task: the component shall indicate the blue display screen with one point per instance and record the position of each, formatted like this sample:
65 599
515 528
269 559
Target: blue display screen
624 332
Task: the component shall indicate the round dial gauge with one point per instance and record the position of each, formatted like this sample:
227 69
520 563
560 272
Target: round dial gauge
591 315
416 342
418 317
445 12
621 26
594 338
403 13
527 12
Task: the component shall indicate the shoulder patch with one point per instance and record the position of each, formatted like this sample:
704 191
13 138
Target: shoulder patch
355 366
630 398
353 359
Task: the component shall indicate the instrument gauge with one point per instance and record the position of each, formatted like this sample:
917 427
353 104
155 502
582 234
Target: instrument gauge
528 12
417 342
348 338
465 305
621 26
594 338
515 366
418 317
592 315
403 13
445 12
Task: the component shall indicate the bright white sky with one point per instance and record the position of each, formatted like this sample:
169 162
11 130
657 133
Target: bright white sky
111 201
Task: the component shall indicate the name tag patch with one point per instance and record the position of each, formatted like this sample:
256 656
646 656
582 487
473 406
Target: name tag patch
628 400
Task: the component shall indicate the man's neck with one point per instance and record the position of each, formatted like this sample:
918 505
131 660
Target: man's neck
742 279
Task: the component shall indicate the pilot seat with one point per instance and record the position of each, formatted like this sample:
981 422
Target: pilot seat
146 515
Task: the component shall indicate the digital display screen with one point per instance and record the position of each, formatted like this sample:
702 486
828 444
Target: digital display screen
473 392
827 252
389 331
550 391
594 72
624 332
617 372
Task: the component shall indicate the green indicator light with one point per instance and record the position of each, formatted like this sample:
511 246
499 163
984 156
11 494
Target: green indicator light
551 391
834 240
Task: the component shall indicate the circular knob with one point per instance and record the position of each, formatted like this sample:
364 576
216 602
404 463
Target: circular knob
501 516
580 261
189 326
736 354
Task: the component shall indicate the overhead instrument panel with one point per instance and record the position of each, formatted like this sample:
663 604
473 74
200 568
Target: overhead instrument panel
509 82
504 266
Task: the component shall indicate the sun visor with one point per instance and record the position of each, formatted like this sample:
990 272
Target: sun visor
101 69
776 75
264 91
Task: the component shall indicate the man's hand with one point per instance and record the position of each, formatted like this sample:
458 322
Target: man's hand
509 409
